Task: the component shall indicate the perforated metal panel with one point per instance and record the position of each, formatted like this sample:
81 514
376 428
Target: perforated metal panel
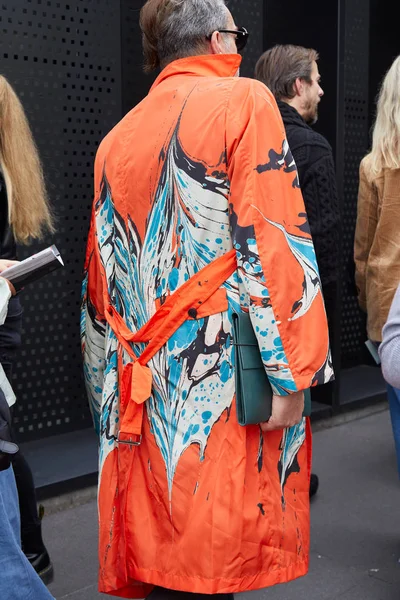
356 54
63 58
250 14
135 83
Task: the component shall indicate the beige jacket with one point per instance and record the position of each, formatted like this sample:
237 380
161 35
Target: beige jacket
377 245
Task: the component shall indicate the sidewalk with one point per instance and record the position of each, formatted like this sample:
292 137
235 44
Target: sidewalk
355 538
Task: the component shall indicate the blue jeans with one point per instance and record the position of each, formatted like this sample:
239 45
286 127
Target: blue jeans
394 404
18 579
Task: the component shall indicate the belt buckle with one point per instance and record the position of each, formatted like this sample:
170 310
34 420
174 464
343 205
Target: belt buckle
130 442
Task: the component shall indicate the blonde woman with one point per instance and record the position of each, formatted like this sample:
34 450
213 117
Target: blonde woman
18 580
24 216
377 240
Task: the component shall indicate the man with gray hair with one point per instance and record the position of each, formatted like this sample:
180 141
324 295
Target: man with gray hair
197 216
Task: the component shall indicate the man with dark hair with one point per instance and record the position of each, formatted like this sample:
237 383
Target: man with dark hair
291 73
196 216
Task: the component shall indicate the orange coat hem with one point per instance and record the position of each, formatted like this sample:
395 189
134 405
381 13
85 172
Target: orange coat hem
208 586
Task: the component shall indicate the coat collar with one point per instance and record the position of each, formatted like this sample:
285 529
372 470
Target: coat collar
209 65
291 116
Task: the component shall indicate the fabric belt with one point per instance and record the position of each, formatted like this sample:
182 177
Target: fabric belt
185 303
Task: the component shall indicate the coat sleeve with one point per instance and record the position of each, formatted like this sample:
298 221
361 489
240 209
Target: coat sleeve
278 277
367 221
321 200
93 327
5 295
389 350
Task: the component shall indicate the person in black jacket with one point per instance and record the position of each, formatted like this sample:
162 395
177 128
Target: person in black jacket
291 73
24 215
18 579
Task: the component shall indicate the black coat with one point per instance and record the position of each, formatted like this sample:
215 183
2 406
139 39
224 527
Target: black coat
8 247
10 332
313 156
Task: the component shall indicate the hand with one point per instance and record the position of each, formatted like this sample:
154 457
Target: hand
5 264
286 412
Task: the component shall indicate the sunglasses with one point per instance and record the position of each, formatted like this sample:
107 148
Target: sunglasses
242 36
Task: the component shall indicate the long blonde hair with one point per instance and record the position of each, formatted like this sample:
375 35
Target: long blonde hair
28 208
385 153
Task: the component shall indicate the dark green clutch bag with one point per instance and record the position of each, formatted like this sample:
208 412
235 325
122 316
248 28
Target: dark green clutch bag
253 389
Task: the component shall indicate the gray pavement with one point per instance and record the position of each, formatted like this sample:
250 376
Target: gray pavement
355 538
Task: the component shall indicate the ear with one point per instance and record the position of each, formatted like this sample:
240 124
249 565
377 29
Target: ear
298 87
217 43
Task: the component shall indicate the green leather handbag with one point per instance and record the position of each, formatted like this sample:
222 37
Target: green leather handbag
253 389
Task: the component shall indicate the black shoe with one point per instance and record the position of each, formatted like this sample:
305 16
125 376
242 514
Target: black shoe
42 565
314 485
35 550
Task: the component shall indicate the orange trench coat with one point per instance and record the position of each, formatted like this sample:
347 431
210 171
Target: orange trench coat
199 174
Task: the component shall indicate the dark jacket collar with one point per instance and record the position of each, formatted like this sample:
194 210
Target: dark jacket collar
291 116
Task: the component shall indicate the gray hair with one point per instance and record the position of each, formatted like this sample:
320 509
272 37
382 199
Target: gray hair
175 29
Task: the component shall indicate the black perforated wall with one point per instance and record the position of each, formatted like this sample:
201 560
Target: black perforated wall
250 14
356 107
63 58
135 83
